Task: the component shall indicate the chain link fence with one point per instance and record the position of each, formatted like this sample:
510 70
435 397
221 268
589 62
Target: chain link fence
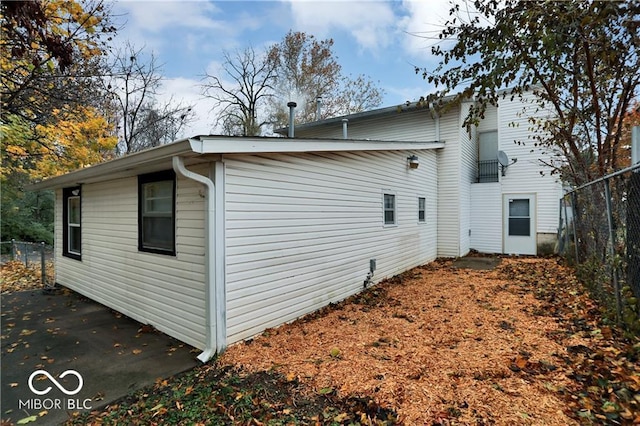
599 233
33 255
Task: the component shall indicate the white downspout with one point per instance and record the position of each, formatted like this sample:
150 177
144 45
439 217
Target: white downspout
215 334
436 119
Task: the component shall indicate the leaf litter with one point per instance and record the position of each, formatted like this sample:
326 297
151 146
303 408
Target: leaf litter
520 344
15 276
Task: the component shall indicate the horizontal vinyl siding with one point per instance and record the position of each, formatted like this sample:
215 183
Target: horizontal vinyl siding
302 228
486 218
468 161
449 169
525 176
403 126
490 120
164 291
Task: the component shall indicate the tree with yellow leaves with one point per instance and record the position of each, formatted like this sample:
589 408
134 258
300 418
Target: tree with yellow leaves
49 55
50 94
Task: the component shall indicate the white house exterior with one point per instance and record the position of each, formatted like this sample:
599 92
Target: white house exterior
479 207
213 239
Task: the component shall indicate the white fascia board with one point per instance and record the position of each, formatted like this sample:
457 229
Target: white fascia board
112 168
134 163
217 145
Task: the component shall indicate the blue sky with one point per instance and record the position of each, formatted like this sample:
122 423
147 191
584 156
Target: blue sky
375 38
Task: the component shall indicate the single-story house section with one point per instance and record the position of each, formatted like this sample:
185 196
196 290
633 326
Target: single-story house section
214 239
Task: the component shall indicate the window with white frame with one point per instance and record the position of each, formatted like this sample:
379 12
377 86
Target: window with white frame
72 223
389 209
422 209
156 212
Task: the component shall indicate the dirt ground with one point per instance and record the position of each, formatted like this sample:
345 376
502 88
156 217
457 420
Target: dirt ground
440 345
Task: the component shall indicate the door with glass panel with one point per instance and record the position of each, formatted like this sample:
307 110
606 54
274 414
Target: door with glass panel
519 223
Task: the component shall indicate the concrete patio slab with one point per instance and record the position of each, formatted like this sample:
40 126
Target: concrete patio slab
476 262
108 355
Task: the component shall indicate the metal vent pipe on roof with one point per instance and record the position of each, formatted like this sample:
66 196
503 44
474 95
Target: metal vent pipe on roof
345 122
292 113
318 107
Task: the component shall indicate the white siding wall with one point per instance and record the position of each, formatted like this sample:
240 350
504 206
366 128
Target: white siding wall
164 291
524 176
404 126
468 162
449 186
486 220
490 121
453 229
302 228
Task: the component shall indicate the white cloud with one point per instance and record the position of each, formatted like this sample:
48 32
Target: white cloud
422 24
187 92
156 16
200 26
370 23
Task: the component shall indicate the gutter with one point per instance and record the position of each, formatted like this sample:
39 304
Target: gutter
214 288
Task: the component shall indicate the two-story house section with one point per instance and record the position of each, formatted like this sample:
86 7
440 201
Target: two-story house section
494 193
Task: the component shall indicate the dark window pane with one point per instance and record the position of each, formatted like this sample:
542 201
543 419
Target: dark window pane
389 217
519 226
74 239
157 233
389 201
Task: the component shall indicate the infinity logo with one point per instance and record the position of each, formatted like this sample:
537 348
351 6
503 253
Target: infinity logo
55 382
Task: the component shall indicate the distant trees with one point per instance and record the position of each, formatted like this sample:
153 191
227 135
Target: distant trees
255 87
306 69
248 81
580 59
50 52
50 55
142 120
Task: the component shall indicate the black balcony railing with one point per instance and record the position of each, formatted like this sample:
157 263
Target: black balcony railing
488 171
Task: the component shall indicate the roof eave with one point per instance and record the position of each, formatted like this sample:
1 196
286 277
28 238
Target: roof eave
210 145
405 107
135 160
217 145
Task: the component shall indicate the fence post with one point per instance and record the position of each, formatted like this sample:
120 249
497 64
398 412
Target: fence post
43 271
612 249
13 249
560 227
574 212
565 201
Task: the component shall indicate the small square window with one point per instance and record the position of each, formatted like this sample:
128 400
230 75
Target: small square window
389 209
422 209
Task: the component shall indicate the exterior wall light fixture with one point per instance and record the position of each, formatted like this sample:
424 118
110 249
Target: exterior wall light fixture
413 162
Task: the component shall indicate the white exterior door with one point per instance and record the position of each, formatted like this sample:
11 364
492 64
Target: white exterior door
519 223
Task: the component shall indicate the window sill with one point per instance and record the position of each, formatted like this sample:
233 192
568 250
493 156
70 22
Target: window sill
73 256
